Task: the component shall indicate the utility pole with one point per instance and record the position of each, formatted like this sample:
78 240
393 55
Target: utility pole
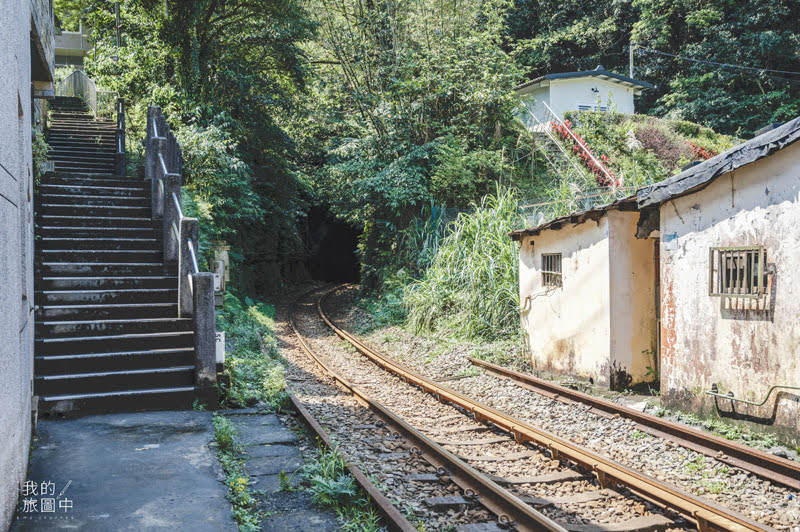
630 60
116 12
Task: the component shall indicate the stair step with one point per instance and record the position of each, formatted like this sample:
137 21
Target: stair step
112 343
125 256
181 398
73 157
95 201
109 243
79 269
99 166
92 180
95 191
110 222
100 211
98 232
99 297
105 327
114 381
116 361
107 312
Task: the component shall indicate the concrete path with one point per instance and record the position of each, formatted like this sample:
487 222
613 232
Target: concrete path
144 471
269 449
157 471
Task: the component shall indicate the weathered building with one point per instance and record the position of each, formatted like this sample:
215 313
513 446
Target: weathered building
588 287
588 90
729 233
26 74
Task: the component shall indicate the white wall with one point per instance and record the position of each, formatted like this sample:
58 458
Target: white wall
567 94
568 327
16 244
744 347
633 300
533 102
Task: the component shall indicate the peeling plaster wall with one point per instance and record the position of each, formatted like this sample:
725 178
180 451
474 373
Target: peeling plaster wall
743 346
633 298
568 327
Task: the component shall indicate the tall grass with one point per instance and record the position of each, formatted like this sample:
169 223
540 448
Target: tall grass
470 288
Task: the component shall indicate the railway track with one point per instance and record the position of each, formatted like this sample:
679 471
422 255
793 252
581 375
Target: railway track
765 465
574 488
607 474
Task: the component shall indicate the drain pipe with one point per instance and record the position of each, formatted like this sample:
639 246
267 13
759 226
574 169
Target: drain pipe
715 392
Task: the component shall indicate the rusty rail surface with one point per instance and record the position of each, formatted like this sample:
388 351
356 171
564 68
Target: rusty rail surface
705 514
394 519
506 506
763 464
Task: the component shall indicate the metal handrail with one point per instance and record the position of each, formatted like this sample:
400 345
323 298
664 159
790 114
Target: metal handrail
180 217
582 146
545 128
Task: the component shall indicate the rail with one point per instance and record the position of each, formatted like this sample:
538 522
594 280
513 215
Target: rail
505 505
79 85
730 397
766 465
545 127
704 513
164 171
119 156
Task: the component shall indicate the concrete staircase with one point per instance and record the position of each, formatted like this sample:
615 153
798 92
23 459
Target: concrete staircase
107 332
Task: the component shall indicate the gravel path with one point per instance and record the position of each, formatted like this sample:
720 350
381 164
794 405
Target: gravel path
618 439
503 458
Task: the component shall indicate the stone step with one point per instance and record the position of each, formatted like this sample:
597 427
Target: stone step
106 297
82 144
113 343
106 327
107 311
115 361
80 269
107 243
95 166
93 180
105 211
70 156
180 398
111 222
114 381
105 283
98 232
92 191
131 200
124 256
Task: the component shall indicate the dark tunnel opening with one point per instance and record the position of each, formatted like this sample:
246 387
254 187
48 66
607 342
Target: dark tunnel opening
332 246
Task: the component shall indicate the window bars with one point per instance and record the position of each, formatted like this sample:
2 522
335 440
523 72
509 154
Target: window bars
737 271
551 269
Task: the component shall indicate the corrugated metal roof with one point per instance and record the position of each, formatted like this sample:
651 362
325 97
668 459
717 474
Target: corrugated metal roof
598 72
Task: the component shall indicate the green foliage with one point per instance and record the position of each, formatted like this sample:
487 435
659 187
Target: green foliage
244 504
255 368
40 148
226 435
471 287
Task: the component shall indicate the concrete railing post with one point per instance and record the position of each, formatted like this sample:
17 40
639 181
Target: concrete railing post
149 148
205 362
172 217
188 232
159 185
119 156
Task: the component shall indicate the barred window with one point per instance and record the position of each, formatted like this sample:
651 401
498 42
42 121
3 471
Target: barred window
551 269
737 271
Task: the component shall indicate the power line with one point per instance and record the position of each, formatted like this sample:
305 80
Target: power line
725 65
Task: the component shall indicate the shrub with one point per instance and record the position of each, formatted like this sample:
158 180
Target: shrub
668 149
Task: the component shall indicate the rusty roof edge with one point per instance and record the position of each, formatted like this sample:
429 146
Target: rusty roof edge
703 174
581 216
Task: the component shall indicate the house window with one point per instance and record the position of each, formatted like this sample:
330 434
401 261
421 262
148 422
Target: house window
590 107
737 271
551 269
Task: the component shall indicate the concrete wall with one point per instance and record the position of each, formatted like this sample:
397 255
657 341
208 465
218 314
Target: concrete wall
568 327
600 324
567 94
633 301
23 20
743 346
532 101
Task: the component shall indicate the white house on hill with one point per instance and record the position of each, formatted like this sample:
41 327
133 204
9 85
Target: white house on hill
589 90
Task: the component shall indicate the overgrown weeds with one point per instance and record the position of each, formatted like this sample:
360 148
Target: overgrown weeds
332 486
255 369
245 510
470 289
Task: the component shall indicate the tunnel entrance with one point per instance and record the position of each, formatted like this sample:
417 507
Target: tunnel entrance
332 246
